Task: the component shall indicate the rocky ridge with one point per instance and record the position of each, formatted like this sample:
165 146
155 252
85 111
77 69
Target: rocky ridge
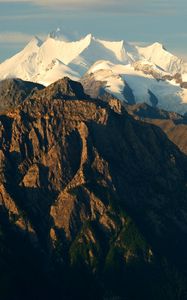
91 188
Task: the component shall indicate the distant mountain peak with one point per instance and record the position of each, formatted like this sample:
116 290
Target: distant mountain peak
35 41
116 63
65 89
89 37
157 45
58 34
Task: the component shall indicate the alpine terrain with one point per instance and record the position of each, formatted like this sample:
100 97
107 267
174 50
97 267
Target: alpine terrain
93 194
131 73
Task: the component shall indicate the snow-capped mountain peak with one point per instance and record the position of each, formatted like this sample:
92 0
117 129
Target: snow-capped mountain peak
157 45
35 43
149 70
157 54
58 34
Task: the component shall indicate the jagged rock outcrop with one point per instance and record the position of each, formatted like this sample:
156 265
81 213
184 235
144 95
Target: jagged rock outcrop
64 89
90 186
14 92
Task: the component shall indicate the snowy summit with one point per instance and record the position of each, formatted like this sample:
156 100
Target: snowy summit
116 63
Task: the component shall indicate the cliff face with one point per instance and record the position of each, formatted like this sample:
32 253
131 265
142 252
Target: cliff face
87 185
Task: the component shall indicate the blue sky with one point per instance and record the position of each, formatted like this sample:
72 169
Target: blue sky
146 21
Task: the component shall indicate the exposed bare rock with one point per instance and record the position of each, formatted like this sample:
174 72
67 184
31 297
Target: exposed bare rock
15 91
90 185
65 89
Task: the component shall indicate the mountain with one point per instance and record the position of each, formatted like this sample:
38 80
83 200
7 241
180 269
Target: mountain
173 124
93 202
14 91
142 78
159 56
149 71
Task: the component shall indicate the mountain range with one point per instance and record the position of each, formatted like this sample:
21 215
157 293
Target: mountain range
93 196
150 73
93 171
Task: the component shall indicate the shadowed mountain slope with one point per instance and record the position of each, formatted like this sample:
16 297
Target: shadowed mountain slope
173 124
15 91
92 201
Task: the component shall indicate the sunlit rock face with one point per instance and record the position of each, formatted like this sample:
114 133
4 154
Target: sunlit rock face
85 186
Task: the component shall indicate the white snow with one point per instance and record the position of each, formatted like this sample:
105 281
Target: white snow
169 94
55 69
156 54
23 64
184 77
113 62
